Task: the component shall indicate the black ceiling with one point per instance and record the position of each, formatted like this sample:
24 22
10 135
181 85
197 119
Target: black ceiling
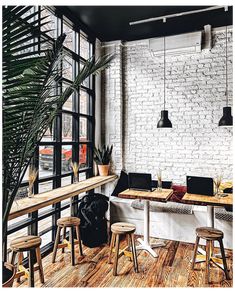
110 23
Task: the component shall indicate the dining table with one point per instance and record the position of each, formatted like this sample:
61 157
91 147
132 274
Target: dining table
160 195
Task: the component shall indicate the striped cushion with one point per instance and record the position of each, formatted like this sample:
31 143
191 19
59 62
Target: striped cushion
169 207
222 214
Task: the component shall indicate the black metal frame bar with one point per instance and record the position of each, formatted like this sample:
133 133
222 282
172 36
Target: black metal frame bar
31 222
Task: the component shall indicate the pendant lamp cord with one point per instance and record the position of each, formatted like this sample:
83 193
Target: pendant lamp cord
164 73
226 67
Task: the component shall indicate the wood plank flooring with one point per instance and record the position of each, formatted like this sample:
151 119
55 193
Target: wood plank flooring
172 268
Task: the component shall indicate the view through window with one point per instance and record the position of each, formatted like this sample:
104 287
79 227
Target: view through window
70 137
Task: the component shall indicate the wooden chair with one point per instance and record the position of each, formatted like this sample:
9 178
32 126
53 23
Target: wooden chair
210 235
117 230
29 244
63 223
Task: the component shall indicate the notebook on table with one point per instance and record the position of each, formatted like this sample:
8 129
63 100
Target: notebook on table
140 181
200 185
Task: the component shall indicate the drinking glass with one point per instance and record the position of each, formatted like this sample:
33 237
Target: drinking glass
159 180
217 183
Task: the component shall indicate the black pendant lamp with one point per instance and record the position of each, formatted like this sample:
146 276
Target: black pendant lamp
164 122
227 118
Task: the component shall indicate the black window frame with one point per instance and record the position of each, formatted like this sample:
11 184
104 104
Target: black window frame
31 222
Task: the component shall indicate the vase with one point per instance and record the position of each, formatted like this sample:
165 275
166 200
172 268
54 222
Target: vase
75 178
103 170
159 185
30 191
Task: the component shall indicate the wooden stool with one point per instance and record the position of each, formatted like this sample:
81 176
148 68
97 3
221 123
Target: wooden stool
67 222
211 235
128 230
30 244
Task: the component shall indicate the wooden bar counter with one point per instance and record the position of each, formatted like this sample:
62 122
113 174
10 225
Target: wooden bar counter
29 205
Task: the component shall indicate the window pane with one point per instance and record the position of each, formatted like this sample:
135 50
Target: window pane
82 156
86 82
66 181
66 158
84 48
46 161
46 238
48 136
82 176
67 127
83 129
84 102
44 224
22 193
51 23
69 40
68 67
68 105
45 186
66 213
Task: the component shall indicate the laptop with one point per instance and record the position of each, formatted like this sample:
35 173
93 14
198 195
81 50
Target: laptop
140 181
200 185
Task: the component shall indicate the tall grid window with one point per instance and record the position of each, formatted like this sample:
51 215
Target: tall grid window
69 140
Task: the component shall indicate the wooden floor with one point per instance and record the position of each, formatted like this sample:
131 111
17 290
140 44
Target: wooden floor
171 269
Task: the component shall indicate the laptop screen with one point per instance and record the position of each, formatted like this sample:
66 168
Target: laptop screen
200 185
140 181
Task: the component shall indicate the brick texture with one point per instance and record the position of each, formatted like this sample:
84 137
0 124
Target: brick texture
195 95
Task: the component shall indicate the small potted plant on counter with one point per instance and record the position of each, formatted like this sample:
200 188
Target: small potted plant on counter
102 157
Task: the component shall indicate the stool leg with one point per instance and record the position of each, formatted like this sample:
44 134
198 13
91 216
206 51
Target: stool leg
20 260
31 271
39 261
111 247
224 259
72 245
129 246
195 252
208 261
79 240
13 257
134 252
64 237
116 256
57 239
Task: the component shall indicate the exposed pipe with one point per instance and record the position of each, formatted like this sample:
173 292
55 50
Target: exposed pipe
164 17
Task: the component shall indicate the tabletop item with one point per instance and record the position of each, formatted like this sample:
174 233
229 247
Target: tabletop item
200 185
159 180
140 181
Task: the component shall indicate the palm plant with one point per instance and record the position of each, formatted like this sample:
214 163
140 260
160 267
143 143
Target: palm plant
30 99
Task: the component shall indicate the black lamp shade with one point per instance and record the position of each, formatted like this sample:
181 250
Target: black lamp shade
227 118
164 122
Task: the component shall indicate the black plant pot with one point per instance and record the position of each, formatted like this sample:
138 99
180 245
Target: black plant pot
8 274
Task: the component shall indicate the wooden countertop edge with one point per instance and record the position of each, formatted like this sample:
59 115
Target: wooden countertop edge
53 200
145 197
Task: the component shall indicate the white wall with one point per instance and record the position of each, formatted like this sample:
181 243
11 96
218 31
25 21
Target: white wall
195 86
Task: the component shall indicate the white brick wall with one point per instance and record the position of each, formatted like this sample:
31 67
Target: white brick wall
195 86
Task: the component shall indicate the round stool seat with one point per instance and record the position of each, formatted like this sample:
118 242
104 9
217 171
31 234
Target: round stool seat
25 243
68 222
209 233
123 228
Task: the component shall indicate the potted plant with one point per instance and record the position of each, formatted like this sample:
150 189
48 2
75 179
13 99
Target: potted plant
30 104
102 157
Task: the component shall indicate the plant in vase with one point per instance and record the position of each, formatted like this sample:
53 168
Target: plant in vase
30 104
33 173
75 167
159 180
217 182
102 157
